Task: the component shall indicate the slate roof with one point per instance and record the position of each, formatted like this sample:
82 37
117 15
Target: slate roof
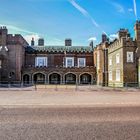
59 49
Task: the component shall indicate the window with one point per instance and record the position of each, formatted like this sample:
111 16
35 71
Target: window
0 64
117 58
110 61
110 75
98 61
69 61
118 75
130 57
41 61
81 62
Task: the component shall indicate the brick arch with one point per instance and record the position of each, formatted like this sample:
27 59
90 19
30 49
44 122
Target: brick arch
54 78
70 78
85 78
26 78
39 77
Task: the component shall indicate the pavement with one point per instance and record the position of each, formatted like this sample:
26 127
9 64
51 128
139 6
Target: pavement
69 98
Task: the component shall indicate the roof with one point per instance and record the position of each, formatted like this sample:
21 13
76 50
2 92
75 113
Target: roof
59 49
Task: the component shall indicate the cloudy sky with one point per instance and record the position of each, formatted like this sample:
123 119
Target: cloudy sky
81 20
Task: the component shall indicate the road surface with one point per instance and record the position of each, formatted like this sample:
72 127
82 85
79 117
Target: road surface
70 123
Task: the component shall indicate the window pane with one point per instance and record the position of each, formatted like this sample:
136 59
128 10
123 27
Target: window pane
117 75
117 58
81 62
130 57
110 61
41 61
110 75
69 62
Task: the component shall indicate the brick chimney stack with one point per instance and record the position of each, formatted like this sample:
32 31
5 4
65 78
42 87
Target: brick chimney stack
40 42
68 42
32 42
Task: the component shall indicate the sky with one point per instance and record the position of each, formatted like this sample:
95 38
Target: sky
80 20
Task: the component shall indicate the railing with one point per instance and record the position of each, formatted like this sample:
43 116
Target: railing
72 86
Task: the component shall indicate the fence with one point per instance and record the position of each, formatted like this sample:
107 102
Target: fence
16 85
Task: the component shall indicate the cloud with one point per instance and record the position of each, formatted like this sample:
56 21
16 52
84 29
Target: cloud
113 36
16 29
28 38
92 39
119 7
130 10
79 8
84 12
135 8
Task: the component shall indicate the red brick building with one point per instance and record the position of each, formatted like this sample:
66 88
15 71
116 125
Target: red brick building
44 64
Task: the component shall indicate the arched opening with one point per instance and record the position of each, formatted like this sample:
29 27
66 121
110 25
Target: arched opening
54 78
70 78
39 78
26 79
85 79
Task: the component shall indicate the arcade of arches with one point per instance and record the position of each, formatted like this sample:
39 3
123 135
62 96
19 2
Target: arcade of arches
56 78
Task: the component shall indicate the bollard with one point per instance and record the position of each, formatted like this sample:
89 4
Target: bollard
35 87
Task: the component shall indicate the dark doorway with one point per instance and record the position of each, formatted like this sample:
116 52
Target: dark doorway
26 79
39 78
85 79
55 78
70 78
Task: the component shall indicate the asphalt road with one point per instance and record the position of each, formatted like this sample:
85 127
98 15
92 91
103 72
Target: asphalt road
70 123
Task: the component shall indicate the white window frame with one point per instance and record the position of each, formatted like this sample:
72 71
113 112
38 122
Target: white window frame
131 60
45 59
69 58
117 58
110 61
81 59
110 76
118 75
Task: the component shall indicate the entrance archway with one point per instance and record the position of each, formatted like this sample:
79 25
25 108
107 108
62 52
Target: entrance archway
39 78
85 78
54 78
70 78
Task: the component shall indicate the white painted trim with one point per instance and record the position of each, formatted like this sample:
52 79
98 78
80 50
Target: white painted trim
72 58
84 62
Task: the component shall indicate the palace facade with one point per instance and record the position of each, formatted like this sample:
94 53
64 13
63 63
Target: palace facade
111 63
